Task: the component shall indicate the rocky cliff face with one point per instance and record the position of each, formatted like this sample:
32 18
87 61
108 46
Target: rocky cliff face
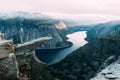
30 67
61 25
21 29
23 67
84 63
21 63
110 72
103 29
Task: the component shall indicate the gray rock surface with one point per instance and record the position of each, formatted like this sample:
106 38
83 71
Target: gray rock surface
8 68
22 64
111 72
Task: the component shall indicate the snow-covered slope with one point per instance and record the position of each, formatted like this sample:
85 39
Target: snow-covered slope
22 14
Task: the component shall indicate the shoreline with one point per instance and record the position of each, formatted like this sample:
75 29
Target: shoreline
58 48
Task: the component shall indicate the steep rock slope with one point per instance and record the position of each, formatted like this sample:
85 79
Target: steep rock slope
21 29
103 29
110 72
20 62
84 63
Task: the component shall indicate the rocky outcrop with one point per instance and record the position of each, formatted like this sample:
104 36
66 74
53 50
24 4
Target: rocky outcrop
8 68
21 63
85 62
61 25
31 68
31 45
110 72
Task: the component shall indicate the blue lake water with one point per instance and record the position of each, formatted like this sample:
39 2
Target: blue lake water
53 56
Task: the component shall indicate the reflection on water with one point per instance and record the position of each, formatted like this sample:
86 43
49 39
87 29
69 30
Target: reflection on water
53 56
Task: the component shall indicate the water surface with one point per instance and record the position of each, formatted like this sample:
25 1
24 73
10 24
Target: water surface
53 56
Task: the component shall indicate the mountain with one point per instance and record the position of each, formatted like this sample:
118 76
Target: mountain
22 29
110 68
103 29
23 26
22 14
85 62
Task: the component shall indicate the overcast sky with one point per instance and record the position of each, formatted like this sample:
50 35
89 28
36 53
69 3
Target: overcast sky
109 7
85 10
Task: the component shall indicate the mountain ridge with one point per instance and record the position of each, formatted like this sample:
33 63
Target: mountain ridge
84 63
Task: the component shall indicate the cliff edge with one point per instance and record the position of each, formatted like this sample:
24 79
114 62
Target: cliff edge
20 62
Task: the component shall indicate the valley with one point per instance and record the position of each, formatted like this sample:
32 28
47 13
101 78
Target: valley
54 55
73 53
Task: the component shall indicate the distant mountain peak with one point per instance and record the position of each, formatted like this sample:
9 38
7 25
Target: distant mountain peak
61 25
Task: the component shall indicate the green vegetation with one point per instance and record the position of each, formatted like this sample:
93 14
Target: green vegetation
16 38
83 63
113 36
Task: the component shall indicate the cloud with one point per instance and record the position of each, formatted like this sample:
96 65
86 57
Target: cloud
110 7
